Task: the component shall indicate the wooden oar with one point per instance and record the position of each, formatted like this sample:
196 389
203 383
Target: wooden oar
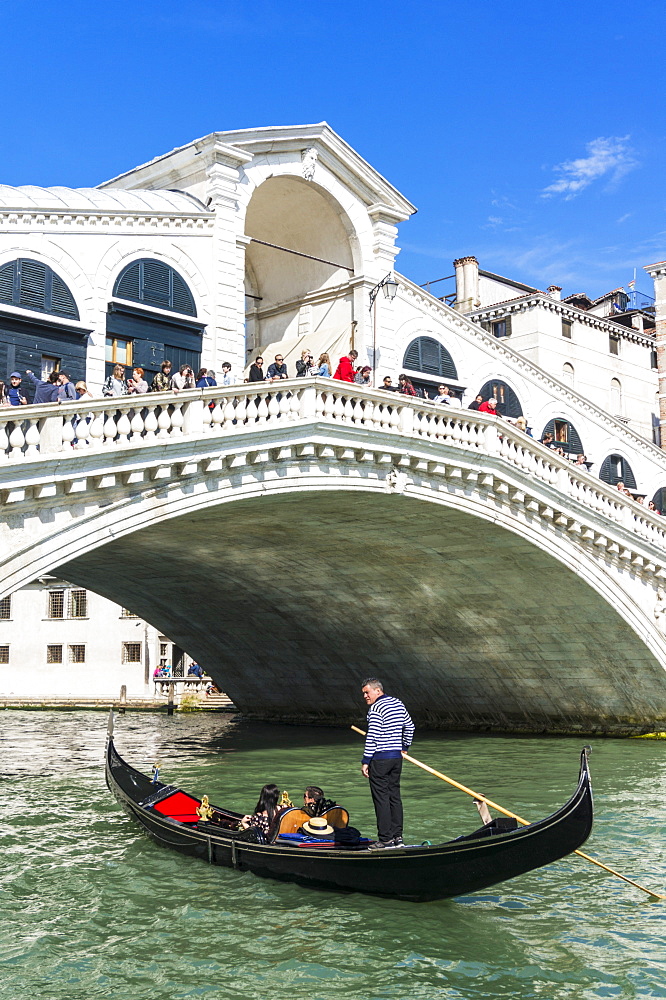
524 822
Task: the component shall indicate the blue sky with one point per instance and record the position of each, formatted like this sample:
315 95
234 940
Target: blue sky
529 134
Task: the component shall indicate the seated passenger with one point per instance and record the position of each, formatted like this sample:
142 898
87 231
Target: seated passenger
314 803
265 810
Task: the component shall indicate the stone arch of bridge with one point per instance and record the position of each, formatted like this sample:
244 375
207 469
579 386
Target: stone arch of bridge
289 589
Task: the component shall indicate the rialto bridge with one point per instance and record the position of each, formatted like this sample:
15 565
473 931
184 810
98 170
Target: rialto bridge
296 539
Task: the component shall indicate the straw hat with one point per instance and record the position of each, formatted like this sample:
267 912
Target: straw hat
318 827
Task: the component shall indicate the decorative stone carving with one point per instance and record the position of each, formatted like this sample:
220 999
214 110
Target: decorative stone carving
660 611
308 162
396 481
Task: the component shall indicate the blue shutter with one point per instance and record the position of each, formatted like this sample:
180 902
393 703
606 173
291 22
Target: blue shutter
615 469
157 285
33 284
156 289
128 285
62 300
429 356
182 296
7 274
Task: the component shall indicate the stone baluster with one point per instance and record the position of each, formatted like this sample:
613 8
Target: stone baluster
32 438
17 441
150 425
262 409
4 443
177 420
68 431
193 417
109 427
163 422
97 429
123 428
83 433
137 425
228 409
284 405
273 404
407 419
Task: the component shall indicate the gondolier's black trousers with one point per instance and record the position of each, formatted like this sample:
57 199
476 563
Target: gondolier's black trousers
385 789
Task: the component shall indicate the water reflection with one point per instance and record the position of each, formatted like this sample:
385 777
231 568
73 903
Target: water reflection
96 910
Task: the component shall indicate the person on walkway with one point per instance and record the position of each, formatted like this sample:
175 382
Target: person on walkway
14 394
405 386
66 391
206 379
387 383
195 670
137 383
162 380
278 370
476 403
227 377
490 406
183 379
362 376
390 733
45 392
345 370
256 373
325 366
115 385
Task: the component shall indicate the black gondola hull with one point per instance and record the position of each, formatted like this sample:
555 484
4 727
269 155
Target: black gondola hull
417 874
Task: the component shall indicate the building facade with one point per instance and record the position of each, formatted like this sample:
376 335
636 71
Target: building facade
61 641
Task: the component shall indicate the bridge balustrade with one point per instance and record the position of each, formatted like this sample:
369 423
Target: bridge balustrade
132 422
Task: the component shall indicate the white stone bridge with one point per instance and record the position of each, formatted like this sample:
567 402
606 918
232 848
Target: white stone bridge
295 538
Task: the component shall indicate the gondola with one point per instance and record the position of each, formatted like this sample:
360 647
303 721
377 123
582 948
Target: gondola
497 851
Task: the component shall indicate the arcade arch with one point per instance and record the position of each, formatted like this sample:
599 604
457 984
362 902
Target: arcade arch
299 262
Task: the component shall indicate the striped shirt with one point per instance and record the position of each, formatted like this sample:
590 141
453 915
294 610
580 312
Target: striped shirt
390 729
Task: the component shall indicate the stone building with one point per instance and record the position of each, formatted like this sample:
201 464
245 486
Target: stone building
61 641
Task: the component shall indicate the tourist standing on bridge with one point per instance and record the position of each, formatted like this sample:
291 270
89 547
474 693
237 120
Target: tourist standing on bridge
227 377
162 380
490 406
345 370
390 734
66 391
256 373
277 370
115 384
183 379
14 392
405 386
45 392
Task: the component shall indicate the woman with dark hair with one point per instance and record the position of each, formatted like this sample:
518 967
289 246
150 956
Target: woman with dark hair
205 379
264 811
405 386
257 373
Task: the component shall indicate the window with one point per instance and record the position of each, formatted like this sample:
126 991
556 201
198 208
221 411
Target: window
54 654
501 327
30 284
49 365
427 355
615 469
131 652
6 608
653 359
4 654
568 374
77 654
566 328
155 284
508 403
615 397
565 436
126 613
561 432
78 604
56 604
614 343
118 351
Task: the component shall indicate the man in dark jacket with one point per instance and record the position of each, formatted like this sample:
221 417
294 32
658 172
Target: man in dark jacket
45 392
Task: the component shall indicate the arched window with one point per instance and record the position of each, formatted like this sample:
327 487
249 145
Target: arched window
155 284
615 469
565 436
508 403
429 356
30 284
659 500
615 397
568 374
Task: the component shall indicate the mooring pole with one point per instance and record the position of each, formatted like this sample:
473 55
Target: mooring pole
171 696
123 699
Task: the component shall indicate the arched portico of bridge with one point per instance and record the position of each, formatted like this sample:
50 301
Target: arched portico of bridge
295 567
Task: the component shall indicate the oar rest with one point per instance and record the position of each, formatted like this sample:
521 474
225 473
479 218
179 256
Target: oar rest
291 820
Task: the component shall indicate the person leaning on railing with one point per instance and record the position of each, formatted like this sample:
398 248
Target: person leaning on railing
115 384
162 379
45 392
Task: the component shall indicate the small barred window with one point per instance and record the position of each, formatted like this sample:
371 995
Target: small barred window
54 654
78 604
6 608
131 652
4 654
56 603
77 654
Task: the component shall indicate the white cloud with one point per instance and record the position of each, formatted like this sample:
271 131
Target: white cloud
607 157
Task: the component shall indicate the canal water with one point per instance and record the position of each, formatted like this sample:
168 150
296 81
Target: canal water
92 909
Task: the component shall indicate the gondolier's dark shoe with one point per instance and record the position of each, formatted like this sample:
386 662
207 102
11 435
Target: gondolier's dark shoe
379 845
398 842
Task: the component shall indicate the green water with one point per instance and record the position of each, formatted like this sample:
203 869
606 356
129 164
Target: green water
92 909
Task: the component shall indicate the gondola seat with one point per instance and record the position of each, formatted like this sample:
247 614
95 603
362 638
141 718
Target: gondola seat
180 807
291 820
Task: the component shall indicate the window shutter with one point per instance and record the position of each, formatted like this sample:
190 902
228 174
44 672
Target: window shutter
507 320
427 355
182 297
33 284
616 469
128 285
7 282
156 289
62 300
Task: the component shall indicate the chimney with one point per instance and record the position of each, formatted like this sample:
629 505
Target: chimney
658 274
555 292
467 284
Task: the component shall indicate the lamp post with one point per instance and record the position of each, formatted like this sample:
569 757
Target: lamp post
389 286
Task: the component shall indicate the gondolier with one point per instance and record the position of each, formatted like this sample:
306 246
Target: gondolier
390 732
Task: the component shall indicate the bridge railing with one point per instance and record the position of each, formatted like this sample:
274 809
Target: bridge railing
128 422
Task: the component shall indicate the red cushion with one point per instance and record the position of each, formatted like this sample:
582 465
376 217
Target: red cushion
179 806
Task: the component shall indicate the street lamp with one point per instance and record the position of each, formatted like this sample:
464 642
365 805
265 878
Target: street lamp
390 287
